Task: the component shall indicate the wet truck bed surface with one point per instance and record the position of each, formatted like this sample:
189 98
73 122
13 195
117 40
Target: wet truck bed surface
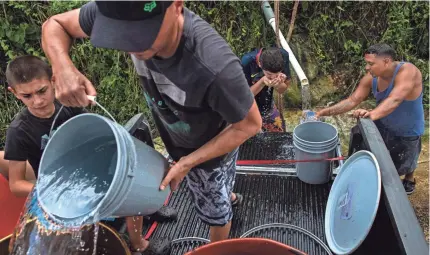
267 199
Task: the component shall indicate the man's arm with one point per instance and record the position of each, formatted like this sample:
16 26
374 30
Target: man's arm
230 96
404 86
226 141
232 137
19 186
71 87
359 95
57 34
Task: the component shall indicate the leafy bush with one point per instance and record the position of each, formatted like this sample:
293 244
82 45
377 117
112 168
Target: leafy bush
334 34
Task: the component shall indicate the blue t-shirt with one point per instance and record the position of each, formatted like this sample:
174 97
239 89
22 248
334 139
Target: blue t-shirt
254 73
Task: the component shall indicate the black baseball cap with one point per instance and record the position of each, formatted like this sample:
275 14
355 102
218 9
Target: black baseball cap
130 26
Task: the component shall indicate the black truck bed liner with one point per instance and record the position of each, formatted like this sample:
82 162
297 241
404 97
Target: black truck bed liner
269 146
273 194
267 199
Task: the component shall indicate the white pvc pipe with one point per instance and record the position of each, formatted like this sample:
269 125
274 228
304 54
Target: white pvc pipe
297 68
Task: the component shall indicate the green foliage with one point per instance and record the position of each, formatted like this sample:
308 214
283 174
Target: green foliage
240 23
112 72
332 35
340 32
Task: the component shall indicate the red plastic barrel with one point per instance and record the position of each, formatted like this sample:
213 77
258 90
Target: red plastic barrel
246 246
10 208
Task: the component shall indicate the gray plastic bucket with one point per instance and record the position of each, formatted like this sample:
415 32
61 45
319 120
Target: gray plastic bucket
314 140
99 171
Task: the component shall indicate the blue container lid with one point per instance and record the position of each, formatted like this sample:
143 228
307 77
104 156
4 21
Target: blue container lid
353 202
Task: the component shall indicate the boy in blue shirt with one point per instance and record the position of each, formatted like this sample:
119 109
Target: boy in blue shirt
267 70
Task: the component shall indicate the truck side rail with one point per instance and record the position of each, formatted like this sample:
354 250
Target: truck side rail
407 229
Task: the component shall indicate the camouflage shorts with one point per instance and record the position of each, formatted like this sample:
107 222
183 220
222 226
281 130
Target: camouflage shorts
211 188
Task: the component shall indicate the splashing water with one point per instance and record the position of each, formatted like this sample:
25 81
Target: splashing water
306 97
38 234
71 189
96 234
73 186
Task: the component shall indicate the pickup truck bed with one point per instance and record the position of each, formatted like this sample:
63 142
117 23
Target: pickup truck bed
277 205
274 195
268 198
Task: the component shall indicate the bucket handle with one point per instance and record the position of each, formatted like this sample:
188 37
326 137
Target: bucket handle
91 98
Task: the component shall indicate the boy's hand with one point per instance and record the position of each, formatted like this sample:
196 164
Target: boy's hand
278 81
282 77
72 87
266 81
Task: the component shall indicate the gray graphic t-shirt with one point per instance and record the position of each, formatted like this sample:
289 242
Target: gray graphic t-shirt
197 92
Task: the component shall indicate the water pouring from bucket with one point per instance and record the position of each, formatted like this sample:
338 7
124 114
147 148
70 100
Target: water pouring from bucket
92 168
36 233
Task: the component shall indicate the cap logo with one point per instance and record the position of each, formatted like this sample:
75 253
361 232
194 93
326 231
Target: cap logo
150 6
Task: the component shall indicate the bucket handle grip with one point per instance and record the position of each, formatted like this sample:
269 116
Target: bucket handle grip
91 98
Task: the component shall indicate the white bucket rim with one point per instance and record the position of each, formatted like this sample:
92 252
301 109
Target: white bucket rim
318 122
316 150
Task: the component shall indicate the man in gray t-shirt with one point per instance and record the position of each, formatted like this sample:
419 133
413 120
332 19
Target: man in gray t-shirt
192 82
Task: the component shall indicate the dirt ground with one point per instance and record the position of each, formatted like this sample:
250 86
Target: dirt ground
420 198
